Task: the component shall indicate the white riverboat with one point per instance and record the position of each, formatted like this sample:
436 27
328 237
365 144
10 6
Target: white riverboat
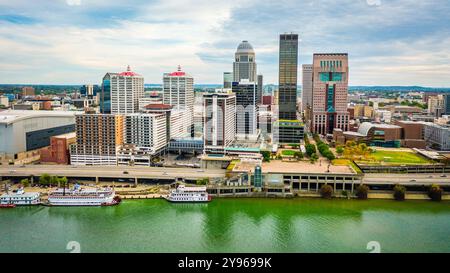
188 194
20 198
83 197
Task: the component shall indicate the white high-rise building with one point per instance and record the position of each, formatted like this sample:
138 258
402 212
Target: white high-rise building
219 121
178 91
146 131
127 88
244 66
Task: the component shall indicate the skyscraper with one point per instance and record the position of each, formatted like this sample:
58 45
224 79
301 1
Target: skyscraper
307 86
330 90
219 121
178 91
126 90
146 131
288 61
247 105
105 96
447 104
98 136
260 86
227 80
244 66
89 90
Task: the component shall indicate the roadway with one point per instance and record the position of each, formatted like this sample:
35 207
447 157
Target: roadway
411 179
115 172
110 172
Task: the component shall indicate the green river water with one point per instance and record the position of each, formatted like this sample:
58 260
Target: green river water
231 225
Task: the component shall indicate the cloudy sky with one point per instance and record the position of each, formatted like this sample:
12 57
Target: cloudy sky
390 42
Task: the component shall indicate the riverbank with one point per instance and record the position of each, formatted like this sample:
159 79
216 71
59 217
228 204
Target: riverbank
126 191
231 225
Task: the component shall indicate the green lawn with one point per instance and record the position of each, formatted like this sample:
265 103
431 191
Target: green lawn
400 157
288 152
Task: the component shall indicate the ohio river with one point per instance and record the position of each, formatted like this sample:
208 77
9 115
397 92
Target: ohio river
231 225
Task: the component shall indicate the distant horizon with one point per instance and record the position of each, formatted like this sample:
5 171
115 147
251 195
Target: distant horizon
219 84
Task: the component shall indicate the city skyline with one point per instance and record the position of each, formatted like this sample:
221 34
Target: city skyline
84 40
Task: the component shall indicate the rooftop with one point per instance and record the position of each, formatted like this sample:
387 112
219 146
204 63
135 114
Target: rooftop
15 194
178 73
245 47
158 106
129 73
366 126
11 116
67 136
330 54
278 166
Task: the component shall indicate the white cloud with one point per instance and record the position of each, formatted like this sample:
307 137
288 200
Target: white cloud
202 36
73 2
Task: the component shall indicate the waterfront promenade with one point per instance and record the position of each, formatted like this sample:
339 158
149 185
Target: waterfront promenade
279 181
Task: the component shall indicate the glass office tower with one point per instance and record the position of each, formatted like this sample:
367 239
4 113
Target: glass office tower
288 61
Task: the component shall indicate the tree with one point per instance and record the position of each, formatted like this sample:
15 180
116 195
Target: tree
362 191
310 149
54 180
350 143
313 158
204 181
306 139
435 192
329 155
339 150
399 192
326 191
266 156
44 179
25 183
63 182
298 155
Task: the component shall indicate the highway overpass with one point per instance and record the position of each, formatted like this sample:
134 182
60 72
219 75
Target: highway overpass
110 173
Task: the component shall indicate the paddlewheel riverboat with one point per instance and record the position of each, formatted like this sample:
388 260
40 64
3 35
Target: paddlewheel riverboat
183 194
79 196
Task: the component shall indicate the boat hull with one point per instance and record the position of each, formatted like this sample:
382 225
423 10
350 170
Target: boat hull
188 201
8 206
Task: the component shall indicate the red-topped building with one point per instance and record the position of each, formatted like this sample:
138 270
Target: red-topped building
178 91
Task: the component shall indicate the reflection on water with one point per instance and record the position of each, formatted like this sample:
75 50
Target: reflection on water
231 225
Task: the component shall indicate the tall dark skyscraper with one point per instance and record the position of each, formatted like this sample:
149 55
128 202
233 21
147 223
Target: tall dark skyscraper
287 100
288 129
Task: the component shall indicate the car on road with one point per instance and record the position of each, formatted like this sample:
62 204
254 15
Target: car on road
413 180
443 175
125 172
164 173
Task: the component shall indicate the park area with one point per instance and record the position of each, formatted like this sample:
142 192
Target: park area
394 157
